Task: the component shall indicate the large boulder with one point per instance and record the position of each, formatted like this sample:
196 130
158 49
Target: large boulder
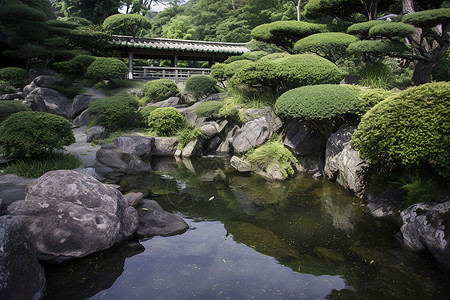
70 215
386 205
82 119
426 226
193 148
153 220
114 164
134 144
46 81
80 103
96 132
272 119
170 102
306 143
165 146
29 88
335 144
55 102
21 275
35 102
13 187
240 164
252 134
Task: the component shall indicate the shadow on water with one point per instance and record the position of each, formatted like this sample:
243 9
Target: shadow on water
252 238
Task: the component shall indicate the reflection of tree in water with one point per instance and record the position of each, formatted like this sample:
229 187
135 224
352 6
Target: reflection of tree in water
86 277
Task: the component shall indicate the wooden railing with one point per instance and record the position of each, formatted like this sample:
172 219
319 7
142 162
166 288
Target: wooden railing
144 72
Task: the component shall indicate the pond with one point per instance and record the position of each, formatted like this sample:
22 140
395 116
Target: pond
250 238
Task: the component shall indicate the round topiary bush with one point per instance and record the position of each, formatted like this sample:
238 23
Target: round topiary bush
76 67
209 109
410 129
114 112
159 89
107 68
29 133
8 107
165 121
144 112
201 85
17 77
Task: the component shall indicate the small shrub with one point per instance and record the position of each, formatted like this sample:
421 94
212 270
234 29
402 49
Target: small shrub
188 134
17 77
159 89
208 109
6 88
417 190
8 107
368 98
232 68
144 112
201 85
218 71
29 133
273 56
392 29
228 111
408 130
165 120
38 166
69 91
115 112
362 29
376 75
107 68
76 67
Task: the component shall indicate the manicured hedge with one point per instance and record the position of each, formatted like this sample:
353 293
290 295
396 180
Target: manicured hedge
201 85
16 77
428 18
8 107
115 112
30 133
208 109
409 130
76 67
362 29
378 47
165 121
392 29
159 89
107 68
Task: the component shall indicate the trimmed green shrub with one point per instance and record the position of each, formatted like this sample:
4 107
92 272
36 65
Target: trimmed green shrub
188 134
362 29
228 111
376 75
208 109
159 89
410 129
76 67
144 112
5 87
273 56
201 85
107 68
165 121
380 48
368 98
262 33
392 29
321 101
126 24
218 71
329 45
441 72
17 77
232 68
8 107
252 56
428 18
115 112
29 133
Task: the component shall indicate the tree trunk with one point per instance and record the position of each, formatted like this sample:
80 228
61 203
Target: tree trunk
232 5
298 10
422 72
407 7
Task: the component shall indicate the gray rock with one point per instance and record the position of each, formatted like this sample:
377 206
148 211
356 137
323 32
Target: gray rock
33 73
335 144
21 275
89 172
274 122
210 129
386 205
214 97
252 134
186 97
133 199
29 88
193 148
210 146
70 215
13 187
55 102
352 171
273 172
12 96
226 145
426 227
352 79
240 164
98 132
83 119
165 146
80 103
137 145
153 220
47 81
35 102
171 102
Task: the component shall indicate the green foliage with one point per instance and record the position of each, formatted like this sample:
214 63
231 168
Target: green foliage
68 90
159 89
201 85
209 109
273 56
8 107
228 111
188 134
376 75
329 45
218 71
252 56
232 68
392 29
95 11
127 24
417 189
321 101
76 67
378 48
272 153
106 68
258 45
441 71
362 29
368 98
409 130
115 112
29 133
428 18
37 166
6 88
166 121
144 112
17 77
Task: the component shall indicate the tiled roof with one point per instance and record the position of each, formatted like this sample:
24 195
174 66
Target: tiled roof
179 45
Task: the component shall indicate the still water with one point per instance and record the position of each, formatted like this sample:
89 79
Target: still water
252 239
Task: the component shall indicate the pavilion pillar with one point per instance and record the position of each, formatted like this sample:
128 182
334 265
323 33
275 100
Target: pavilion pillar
175 61
130 64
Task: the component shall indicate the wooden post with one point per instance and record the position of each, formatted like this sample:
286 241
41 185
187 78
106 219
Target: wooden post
130 64
175 61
